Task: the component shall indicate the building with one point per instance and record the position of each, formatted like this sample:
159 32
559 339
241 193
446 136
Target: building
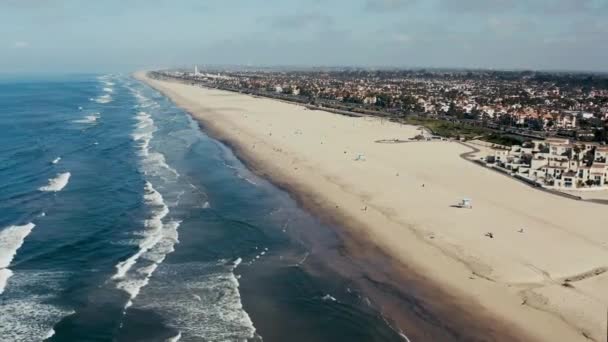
555 163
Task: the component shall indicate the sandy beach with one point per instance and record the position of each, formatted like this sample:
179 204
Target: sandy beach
533 261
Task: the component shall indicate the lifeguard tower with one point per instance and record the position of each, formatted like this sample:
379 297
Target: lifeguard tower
466 203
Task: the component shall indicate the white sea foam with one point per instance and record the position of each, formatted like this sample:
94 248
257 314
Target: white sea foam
106 81
49 334
5 273
58 183
329 297
158 237
26 311
102 99
11 239
108 90
158 240
141 98
247 179
89 119
144 130
56 160
153 229
154 163
136 277
239 173
175 338
205 301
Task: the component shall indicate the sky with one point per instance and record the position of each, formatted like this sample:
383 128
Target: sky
125 35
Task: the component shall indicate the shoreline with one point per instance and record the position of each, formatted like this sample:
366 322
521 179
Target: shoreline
466 156
447 298
378 276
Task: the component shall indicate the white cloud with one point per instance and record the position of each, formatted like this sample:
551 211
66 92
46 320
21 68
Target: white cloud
402 38
387 5
21 45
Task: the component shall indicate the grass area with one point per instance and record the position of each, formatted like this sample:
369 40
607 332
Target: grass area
456 130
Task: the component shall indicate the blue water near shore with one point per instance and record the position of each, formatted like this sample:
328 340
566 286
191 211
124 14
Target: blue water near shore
120 220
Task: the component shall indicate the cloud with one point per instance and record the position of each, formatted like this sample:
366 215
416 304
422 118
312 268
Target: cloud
21 45
402 38
387 5
300 21
571 6
479 5
544 7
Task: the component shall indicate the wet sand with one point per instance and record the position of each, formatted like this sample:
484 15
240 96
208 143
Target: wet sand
429 267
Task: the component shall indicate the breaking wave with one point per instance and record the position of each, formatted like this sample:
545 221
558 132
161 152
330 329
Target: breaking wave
104 99
27 313
89 119
205 301
11 239
58 183
153 232
175 338
158 241
159 235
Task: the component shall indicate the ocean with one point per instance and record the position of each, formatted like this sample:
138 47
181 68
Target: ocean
121 220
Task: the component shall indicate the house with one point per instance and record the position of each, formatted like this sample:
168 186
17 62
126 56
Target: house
556 163
601 154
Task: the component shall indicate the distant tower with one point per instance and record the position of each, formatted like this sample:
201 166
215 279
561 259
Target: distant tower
196 70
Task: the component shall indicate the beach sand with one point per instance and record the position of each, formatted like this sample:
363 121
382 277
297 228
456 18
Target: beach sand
542 273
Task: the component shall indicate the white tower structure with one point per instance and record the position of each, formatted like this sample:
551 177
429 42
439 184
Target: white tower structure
196 70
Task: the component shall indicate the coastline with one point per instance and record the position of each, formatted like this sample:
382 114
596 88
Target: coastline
487 309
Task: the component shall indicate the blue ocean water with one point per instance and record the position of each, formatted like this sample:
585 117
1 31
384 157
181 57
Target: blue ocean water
121 220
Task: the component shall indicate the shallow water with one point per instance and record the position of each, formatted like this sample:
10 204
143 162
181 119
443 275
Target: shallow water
120 220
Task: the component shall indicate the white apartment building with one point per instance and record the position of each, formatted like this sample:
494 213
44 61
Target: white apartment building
555 163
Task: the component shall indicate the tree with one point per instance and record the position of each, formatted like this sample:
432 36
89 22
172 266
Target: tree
535 124
505 120
383 100
474 115
589 157
526 159
452 110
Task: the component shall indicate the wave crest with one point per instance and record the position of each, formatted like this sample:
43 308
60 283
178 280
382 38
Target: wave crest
11 239
58 183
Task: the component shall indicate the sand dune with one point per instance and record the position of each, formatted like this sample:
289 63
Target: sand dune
542 271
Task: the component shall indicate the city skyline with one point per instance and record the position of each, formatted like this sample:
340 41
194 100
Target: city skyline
117 36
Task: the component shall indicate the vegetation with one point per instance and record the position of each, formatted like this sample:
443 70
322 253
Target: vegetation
458 130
